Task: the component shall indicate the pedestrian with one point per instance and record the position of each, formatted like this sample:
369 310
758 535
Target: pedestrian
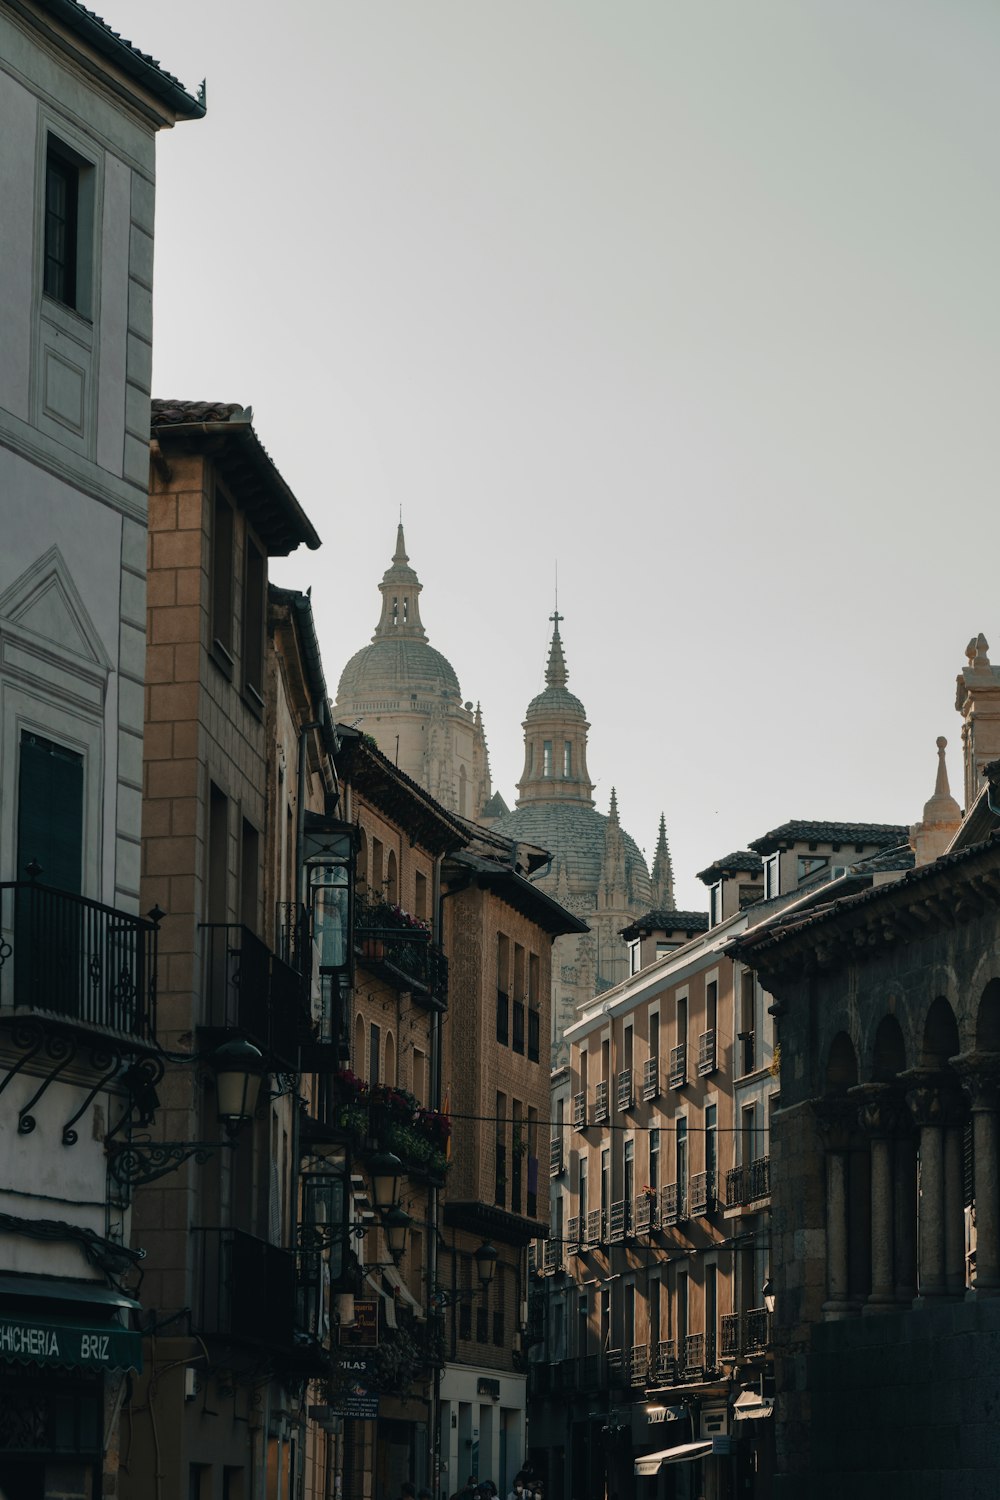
467 1491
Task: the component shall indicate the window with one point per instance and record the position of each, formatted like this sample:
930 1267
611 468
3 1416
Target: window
711 1143
547 758
682 1311
249 869
50 812
391 878
567 758
374 1040
654 1035
503 1007
582 1196
654 1160
711 1004
218 852
810 865
605 1190
532 1203
771 876
582 1324
420 896
681 1145
711 1314
222 578
500 1193
419 1076
628 1181
254 589
715 905
653 1293
682 1021
534 1037
67 272
516 1154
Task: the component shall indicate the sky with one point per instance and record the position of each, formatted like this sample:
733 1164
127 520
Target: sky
696 303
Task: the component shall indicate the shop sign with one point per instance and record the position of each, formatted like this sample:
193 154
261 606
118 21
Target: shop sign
48 1342
355 1399
365 1330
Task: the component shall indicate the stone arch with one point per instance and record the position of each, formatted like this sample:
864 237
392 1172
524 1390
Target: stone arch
940 1039
841 1065
391 879
988 1018
889 1051
359 1046
389 1071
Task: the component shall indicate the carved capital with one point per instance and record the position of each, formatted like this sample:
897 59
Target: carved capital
835 1119
881 1108
934 1099
980 1075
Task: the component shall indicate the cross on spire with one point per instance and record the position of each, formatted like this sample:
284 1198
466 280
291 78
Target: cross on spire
555 617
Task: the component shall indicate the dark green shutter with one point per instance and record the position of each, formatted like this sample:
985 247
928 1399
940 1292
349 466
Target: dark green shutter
50 813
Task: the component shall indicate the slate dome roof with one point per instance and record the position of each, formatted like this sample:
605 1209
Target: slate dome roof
394 666
575 837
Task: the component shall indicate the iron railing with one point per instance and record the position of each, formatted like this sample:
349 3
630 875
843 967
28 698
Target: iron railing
248 1290
88 964
706 1053
594 1227
580 1110
553 1255
666 1360
625 1099
638 1364
250 989
400 949
601 1105
619 1225
746 1333
673 1203
730 1335
703 1192
651 1078
748 1184
572 1235
694 1355
556 1162
678 1066
645 1212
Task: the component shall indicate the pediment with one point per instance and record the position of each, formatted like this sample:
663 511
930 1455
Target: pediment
44 604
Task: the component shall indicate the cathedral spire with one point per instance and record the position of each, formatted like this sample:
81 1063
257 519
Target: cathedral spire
400 589
662 874
556 674
400 554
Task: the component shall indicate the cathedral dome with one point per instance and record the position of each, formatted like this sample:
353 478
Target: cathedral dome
577 838
400 661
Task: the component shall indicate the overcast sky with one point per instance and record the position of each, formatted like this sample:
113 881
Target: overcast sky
697 299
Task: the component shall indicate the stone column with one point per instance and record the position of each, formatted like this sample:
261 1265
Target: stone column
980 1074
954 1199
905 1180
834 1119
927 1106
878 1114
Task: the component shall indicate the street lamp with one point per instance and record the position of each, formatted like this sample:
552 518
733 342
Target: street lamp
486 1264
396 1224
238 1066
385 1169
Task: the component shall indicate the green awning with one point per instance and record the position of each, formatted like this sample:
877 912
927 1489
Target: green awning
59 1342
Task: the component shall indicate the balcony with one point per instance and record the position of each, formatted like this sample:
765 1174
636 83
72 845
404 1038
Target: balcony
750 1185
580 1111
747 1333
251 1292
747 1052
556 1163
645 1212
706 1053
594 1227
619 1225
251 990
673 1204
553 1254
625 1095
602 1111
665 1364
694 1356
638 1364
678 1066
573 1236
651 1078
85 964
398 948
615 1366
703 1193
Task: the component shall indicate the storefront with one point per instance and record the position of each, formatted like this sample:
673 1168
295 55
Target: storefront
64 1348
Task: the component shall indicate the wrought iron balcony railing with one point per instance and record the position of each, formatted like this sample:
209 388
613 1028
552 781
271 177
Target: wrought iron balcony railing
694 1355
573 1235
678 1066
594 1227
399 948
730 1335
638 1364
250 1292
615 1366
749 1184
601 1105
703 1193
580 1110
706 1053
553 1255
87 964
746 1333
618 1224
651 1078
625 1098
556 1162
673 1203
646 1212
665 1364
250 989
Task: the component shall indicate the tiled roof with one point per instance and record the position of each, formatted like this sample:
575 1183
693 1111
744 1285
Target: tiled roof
659 920
731 864
798 832
225 429
139 65
900 857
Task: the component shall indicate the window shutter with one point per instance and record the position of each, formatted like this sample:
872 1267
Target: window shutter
50 813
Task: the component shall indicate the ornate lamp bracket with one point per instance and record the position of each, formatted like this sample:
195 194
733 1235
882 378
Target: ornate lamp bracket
134 1163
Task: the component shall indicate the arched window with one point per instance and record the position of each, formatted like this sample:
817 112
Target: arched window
940 1035
360 1066
889 1057
361 867
389 1075
988 1019
842 1065
391 878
